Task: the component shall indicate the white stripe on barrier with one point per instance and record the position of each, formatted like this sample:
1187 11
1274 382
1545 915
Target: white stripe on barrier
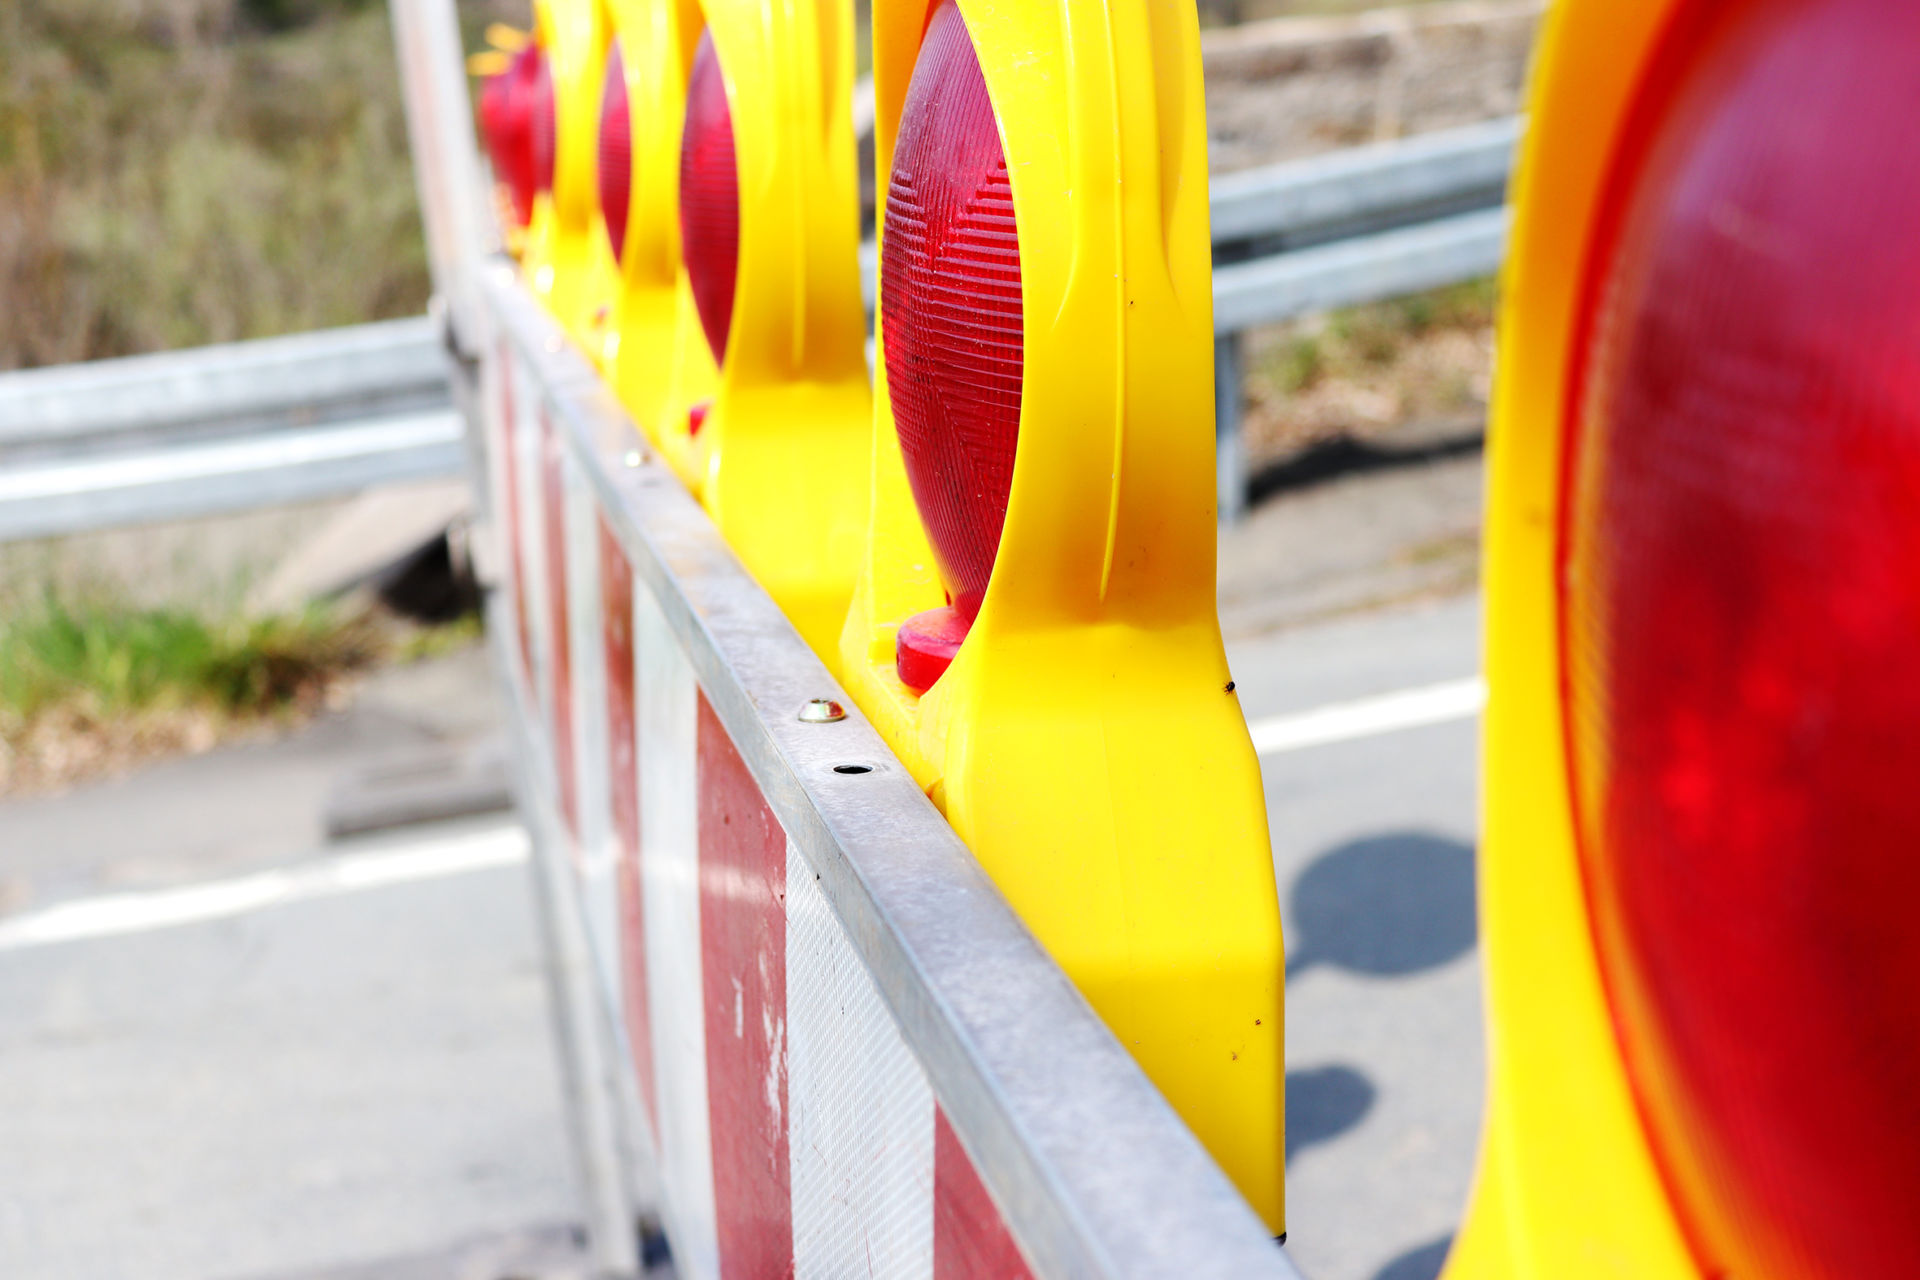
27 481
531 586
589 717
1368 717
862 1145
127 913
670 907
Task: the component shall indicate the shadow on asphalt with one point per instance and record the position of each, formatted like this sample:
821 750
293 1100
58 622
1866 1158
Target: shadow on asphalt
1423 1263
1323 1103
1388 905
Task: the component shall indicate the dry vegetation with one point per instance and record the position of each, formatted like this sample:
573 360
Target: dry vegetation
1225 12
1420 364
175 172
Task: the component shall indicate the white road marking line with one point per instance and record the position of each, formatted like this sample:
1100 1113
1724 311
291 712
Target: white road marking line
125 913
1366 717
112 915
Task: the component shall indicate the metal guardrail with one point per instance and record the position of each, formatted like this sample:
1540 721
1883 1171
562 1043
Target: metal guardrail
1339 230
1342 192
269 469
224 428
330 372
255 424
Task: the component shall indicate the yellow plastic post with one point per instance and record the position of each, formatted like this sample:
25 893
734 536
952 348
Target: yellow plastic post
657 42
780 457
1086 742
567 260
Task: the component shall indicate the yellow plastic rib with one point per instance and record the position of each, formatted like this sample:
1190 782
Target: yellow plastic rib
567 259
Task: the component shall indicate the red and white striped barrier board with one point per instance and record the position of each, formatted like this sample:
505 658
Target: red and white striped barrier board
841 1053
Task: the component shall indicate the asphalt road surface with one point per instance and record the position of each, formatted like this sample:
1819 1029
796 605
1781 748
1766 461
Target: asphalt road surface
337 1065
1373 841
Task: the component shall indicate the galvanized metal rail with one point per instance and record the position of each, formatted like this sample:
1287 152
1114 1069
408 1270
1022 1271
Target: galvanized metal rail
224 428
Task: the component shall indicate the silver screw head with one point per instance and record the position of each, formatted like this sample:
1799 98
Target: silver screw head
822 711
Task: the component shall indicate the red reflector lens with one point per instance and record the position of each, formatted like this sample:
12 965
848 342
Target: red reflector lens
511 134
1741 629
616 152
546 123
494 106
709 197
950 308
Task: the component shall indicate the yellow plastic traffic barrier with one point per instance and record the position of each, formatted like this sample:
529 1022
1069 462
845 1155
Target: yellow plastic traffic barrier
655 42
567 259
506 38
1697 814
1567 1188
1035 630
749 371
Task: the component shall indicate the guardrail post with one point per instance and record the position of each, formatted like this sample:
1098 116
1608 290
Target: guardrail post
1230 445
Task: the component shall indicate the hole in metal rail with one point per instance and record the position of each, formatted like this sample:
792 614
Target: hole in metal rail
853 768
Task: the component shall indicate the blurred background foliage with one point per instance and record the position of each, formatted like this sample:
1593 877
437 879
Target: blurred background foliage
177 172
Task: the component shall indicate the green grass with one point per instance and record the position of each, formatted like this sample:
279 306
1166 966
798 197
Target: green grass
109 661
1358 341
1365 371
1378 332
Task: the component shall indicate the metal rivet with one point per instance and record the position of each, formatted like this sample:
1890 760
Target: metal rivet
632 458
822 711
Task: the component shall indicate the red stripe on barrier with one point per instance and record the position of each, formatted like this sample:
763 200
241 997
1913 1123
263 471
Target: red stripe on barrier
743 953
623 791
970 1238
510 474
553 485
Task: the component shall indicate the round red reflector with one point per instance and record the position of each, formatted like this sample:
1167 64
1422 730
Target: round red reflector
950 314
512 131
493 115
616 152
709 197
546 123
1741 629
